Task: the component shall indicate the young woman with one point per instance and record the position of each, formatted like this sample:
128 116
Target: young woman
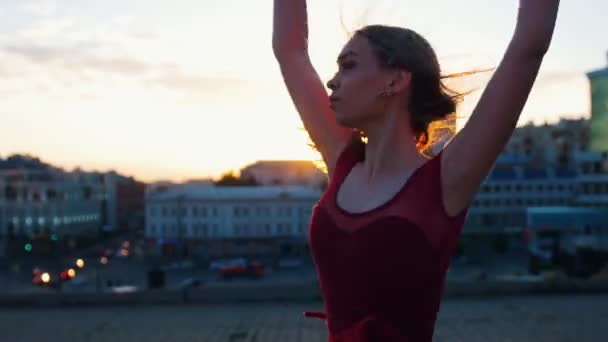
384 230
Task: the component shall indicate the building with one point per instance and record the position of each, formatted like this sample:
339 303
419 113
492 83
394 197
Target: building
219 221
295 172
545 174
547 145
599 108
41 204
122 199
130 203
541 166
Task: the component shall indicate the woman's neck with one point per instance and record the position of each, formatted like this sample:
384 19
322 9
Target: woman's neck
391 148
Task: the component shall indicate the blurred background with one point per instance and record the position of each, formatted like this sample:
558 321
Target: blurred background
156 183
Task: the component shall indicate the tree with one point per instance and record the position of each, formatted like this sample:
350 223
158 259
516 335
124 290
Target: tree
230 179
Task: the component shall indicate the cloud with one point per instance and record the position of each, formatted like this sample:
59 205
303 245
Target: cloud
70 65
77 58
42 54
551 78
45 28
182 82
40 7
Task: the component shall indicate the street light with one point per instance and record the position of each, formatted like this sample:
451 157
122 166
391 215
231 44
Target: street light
71 273
80 263
45 277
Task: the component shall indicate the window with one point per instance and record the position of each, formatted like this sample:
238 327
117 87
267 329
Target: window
195 211
204 212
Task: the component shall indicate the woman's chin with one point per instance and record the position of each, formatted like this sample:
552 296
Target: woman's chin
344 120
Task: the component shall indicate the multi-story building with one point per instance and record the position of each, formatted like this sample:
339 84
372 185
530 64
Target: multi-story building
542 166
599 108
39 202
122 199
216 221
546 192
42 203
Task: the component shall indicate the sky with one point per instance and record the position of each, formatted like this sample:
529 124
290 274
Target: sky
188 89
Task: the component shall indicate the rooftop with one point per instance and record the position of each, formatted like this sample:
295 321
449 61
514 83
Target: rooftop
211 192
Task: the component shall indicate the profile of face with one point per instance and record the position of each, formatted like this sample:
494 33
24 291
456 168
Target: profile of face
362 89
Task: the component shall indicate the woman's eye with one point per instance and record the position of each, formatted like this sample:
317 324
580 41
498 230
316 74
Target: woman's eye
347 65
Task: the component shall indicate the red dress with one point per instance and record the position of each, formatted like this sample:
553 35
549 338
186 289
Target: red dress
382 272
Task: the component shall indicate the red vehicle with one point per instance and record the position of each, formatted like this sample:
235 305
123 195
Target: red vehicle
253 269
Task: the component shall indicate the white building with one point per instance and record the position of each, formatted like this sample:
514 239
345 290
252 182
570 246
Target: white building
198 215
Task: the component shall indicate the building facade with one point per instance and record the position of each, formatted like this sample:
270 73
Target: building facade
599 108
40 206
218 221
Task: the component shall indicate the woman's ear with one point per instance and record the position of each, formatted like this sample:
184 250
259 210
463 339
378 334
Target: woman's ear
401 82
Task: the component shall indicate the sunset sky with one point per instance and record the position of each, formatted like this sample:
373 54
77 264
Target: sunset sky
189 88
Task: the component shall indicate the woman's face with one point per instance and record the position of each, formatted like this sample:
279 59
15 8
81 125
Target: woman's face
357 86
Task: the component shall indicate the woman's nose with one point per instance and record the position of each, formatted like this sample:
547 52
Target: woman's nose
331 84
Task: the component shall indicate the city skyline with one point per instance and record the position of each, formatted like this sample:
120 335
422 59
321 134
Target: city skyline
149 89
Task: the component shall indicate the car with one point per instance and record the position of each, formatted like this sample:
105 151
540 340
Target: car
253 269
190 283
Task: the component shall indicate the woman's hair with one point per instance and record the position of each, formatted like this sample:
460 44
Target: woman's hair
432 105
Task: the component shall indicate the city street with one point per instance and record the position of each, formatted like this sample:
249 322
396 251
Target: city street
538 319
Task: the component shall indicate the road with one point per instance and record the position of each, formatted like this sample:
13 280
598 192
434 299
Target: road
539 319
